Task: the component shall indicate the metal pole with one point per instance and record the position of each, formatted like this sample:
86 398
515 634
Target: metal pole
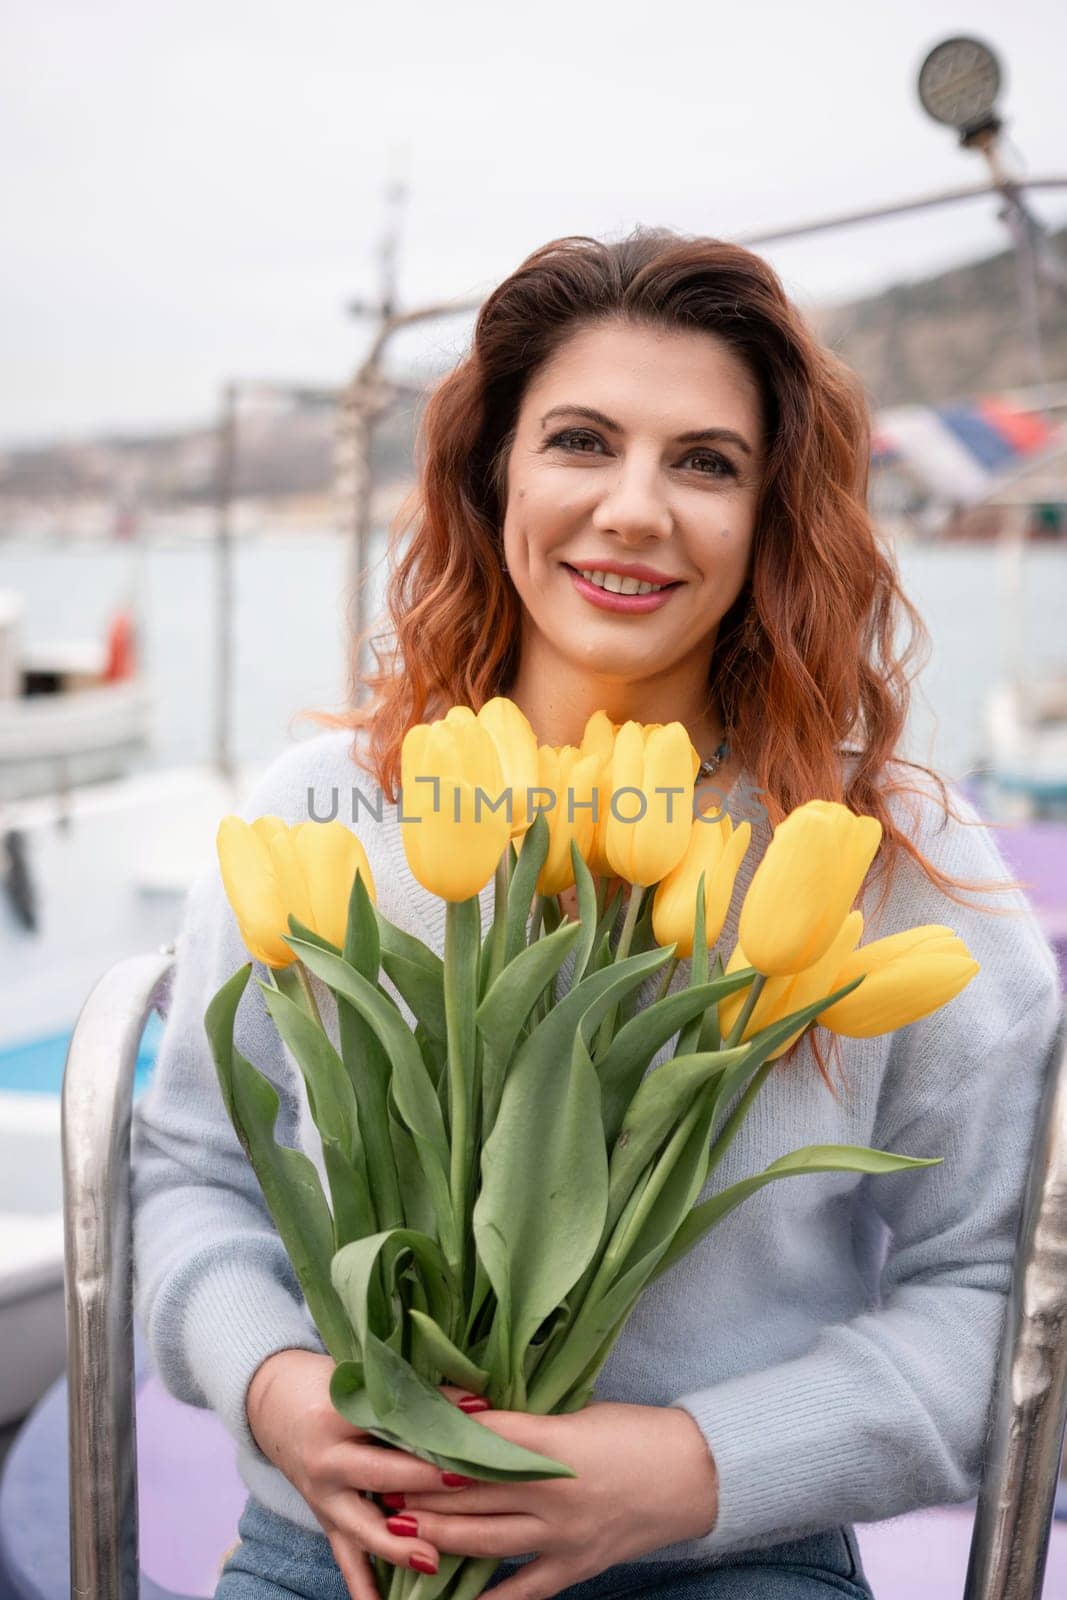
224 490
898 208
97 1105
1013 1519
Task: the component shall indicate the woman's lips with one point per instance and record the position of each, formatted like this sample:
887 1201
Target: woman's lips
607 601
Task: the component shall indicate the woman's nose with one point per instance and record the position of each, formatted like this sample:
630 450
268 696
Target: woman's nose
634 506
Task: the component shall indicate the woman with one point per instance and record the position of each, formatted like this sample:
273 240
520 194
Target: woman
653 407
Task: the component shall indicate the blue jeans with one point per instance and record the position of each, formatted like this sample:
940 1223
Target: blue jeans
276 1560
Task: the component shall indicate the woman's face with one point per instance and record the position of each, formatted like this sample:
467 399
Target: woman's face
626 488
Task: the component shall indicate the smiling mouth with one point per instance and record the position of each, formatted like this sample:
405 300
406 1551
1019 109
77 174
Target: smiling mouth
659 588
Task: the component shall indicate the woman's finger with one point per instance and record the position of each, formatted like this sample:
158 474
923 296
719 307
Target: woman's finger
363 1521
478 1536
539 1580
381 1471
355 1568
485 1499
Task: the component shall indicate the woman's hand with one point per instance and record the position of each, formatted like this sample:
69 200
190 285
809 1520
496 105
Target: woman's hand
645 1479
295 1424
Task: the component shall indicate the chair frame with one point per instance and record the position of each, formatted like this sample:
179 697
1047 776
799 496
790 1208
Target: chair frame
97 1105
1013 1518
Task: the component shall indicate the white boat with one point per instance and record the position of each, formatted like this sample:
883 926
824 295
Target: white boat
32 1333
107 866
71 712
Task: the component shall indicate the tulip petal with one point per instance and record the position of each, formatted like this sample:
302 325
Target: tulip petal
250 881
803 888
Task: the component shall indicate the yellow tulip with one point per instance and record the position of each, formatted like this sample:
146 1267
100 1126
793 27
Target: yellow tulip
571 778
452 838
599 740
781 996
271 870
716 849
516 746
648 758
803 888
907 975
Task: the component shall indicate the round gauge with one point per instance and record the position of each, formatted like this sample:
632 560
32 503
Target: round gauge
959 82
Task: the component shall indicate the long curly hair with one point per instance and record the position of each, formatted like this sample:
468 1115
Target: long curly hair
805 661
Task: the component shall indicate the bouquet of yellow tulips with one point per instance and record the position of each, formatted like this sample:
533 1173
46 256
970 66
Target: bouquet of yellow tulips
506 1177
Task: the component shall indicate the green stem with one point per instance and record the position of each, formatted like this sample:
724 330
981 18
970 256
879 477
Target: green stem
733 1122
536 924
633 912
746 1011
461 1036
501 885
668 973
293 981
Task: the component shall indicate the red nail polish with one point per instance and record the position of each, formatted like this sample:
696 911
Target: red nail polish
397 1501
422 1563
403 1527
474 1402
455 1480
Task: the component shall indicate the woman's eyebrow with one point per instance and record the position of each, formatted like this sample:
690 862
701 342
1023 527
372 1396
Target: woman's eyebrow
694 436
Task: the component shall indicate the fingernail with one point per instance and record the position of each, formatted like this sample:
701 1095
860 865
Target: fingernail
403 1527
397 1501
422 1563
455 1480
474 1402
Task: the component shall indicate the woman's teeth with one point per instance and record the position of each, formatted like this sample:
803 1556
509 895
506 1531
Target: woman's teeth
620 585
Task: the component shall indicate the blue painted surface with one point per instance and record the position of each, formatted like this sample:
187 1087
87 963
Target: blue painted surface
35 1066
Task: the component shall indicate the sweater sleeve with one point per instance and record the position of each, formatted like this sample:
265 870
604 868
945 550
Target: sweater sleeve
888 1412
213 1286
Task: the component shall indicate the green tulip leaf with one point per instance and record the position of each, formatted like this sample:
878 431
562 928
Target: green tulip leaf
524 884
710 1032
414 1093
418 974
645 1229
304 932
416 1417
503 1013
330 1094
411 1408
353 1209
626 1059
587 918
288 1178
661 1101
811 1158
438 1351
688 1039
540 1214
365 1059
594 997
415 1192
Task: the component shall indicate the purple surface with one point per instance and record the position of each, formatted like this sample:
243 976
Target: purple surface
923 1556
1036 852
186 1459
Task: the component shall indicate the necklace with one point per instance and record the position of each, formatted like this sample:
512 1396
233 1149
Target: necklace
713 762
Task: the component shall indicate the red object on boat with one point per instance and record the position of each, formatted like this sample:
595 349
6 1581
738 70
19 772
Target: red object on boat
121 648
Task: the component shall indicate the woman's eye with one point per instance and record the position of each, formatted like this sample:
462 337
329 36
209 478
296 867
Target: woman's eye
571 437
569 434
719 461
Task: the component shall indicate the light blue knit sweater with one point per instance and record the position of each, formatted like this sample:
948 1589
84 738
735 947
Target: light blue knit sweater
835 1338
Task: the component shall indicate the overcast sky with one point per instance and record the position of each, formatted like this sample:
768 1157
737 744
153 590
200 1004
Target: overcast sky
193 191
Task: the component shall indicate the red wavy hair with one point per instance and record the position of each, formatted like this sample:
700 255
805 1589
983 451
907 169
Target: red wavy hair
823 582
